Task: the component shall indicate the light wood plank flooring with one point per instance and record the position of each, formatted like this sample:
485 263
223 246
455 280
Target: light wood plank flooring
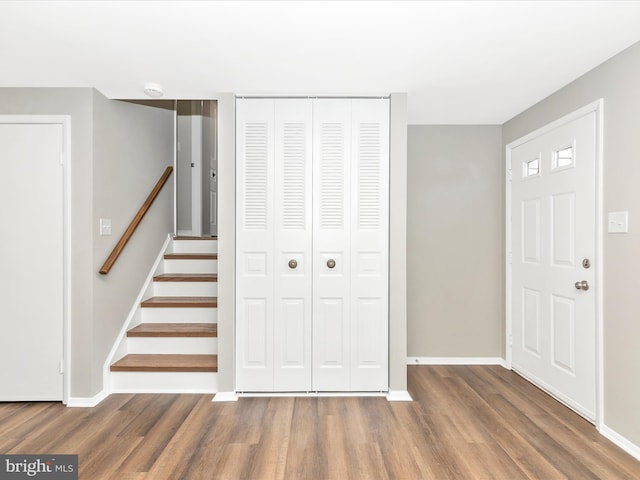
465 423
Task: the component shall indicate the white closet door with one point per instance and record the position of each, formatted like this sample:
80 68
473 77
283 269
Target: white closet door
369 223
293 254
254 244
332 260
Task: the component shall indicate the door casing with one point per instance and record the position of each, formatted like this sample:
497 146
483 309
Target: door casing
265 111
65 122
596 107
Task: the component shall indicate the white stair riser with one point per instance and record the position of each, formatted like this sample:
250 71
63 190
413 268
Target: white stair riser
179 315
190 266
164 382
185 289
195 246
173 345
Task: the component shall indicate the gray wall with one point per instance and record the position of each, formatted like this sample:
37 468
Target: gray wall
398 242
617 81
226 240
133 145
455 241
78 103
183 173
209 161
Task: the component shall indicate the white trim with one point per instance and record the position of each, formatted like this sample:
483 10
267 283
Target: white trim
67 240
310 394
122 335
508 260
399 396
622 442
65 121
87 402
225 397
175 166
598 262
579 113
456 361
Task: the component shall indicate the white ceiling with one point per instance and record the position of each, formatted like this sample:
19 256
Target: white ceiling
474 62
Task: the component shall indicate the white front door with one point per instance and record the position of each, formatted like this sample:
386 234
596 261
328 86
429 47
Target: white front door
553 210
31 258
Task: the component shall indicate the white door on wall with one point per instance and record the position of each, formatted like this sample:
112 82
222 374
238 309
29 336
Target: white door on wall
553 212
312 245
292 254
350 281
331 245
369 300
31 300
254 245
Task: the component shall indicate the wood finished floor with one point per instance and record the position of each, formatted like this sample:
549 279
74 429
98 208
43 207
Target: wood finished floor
465 423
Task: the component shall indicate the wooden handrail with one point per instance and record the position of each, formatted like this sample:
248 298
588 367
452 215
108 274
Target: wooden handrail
128 233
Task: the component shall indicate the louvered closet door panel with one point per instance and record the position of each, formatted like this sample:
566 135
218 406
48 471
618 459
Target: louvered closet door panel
293 254
332 262
254 244
369 220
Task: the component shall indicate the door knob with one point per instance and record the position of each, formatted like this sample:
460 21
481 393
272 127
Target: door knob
331 263
583 285
293 263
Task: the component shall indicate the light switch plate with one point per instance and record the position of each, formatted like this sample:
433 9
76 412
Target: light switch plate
618 222
105 226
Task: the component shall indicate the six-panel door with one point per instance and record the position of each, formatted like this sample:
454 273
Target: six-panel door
553 218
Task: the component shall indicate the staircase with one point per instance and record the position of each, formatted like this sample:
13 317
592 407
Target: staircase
172 343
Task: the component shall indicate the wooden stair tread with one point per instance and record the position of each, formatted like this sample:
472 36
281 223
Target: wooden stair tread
174 330
166 363
188 237
191 256
186 277
180 302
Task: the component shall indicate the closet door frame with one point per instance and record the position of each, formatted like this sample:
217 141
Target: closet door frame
328 330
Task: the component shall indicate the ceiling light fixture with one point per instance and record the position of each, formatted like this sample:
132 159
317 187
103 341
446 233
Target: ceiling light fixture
153 90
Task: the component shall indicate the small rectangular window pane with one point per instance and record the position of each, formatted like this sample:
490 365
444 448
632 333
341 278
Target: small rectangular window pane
532 167
563 158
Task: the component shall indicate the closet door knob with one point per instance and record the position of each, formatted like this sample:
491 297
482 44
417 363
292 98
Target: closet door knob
293 263
583 285
331 263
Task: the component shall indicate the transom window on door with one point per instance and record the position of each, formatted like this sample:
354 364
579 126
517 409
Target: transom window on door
531 168
562 158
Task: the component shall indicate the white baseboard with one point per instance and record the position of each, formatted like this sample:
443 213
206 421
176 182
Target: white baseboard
85 402
399 396
310 394
624 443
457 361
225 397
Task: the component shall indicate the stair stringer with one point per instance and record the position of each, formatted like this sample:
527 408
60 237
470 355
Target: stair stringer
134 318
